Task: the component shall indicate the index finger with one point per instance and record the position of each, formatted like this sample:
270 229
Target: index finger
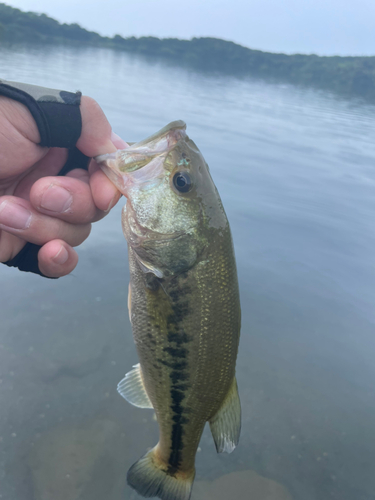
96 135
97 138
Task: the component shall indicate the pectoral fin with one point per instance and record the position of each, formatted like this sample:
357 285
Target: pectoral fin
148 267
133 390
226 424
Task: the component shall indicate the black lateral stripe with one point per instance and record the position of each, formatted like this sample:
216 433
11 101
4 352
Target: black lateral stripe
175 358
176 447
176 352
179 337
175 365
177 376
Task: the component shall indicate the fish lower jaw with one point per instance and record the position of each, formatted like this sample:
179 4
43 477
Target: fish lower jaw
121 181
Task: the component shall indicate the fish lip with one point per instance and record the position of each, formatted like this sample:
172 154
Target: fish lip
141 153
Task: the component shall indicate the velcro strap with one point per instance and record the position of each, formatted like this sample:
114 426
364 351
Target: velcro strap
56 112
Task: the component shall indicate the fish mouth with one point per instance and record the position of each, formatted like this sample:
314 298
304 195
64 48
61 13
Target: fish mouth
147 155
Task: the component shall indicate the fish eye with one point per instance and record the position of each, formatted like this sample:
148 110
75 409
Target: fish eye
182 182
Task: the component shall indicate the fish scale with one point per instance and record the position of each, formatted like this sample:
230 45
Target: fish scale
184 306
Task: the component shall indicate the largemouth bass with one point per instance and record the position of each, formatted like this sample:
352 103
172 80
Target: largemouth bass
183 304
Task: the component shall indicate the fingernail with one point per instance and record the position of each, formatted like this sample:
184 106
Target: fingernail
56 199
118 142
14 215
62 256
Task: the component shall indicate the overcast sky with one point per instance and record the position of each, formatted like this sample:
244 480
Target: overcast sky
325 27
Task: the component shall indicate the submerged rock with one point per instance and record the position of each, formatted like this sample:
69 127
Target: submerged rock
243 485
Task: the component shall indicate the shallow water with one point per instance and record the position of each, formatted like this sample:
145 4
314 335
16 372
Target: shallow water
295 170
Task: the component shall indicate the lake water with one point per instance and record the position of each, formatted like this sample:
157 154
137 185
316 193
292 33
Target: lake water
296 172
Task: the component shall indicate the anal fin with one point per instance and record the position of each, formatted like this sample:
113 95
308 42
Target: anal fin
226 424
133 390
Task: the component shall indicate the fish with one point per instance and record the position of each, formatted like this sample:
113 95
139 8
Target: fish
184 306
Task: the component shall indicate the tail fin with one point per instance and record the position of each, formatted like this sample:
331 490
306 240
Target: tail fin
151 479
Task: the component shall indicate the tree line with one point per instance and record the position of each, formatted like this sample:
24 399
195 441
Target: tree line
353 76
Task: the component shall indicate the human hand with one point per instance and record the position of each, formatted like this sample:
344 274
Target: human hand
40 207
